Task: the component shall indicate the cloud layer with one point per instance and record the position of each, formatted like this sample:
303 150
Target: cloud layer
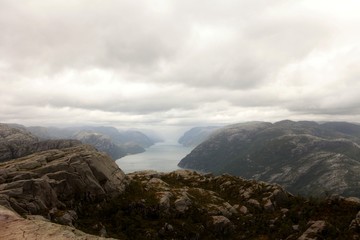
178 63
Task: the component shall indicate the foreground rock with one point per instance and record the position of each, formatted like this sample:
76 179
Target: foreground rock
15 227
52 182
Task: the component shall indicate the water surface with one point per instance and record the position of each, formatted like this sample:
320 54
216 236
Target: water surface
162 157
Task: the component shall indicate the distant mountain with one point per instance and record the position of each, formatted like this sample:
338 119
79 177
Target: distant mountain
102 143
135 137
305 157
196 135
17 142
108 139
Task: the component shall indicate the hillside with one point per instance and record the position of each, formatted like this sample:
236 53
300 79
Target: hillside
108 139
305 157
196 135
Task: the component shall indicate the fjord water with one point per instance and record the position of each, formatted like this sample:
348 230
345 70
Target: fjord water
162 157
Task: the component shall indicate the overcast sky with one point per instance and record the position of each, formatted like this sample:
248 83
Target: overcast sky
165 63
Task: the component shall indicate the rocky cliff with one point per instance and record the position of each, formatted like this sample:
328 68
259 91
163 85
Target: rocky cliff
305 157
58 179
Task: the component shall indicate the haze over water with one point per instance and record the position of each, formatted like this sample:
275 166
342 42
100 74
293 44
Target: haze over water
162 157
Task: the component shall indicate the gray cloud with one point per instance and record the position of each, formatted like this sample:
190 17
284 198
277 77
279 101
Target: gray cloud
178 62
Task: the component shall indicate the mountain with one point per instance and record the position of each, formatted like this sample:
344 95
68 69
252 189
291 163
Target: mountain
304 157
102 143
80 193
135 137
16 142
108 139
196 135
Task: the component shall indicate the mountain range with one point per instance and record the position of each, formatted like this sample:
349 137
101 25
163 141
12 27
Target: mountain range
305 157
107 139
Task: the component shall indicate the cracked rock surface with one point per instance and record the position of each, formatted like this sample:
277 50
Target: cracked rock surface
13 226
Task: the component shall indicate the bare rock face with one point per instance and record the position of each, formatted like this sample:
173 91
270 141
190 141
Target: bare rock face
59 179
15 227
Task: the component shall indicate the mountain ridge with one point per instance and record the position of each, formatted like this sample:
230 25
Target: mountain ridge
284 152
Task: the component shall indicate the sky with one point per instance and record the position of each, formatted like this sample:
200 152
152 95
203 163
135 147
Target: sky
170 65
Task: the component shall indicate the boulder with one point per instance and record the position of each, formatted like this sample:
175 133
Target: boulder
60 178
315 229
182 203
222 225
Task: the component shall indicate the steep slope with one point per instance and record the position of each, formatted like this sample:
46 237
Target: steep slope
305 157
196 135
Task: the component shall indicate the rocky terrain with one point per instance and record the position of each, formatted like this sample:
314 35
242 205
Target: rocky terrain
80 193
304 157
196 135
177 205
47 181
13 226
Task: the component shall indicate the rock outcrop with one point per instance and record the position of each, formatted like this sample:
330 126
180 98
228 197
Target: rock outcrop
51 182
14 227
305 157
